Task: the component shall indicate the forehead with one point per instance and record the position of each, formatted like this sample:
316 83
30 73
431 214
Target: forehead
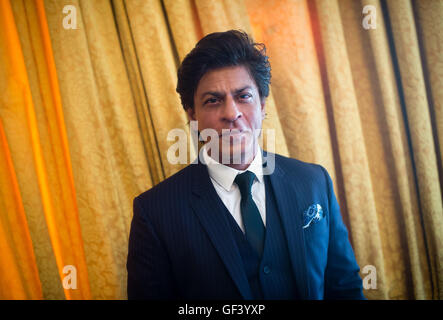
225 79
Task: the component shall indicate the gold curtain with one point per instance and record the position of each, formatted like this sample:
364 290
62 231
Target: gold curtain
85 112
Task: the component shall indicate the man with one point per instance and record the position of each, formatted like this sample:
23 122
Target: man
225 229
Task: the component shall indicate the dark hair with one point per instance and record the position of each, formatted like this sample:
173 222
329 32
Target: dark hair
218 50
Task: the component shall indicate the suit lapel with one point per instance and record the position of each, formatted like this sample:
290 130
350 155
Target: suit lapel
286 194
209 209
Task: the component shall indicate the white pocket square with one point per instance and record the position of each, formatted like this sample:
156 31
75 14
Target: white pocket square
312 214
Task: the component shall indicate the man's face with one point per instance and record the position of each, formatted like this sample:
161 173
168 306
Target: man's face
228 98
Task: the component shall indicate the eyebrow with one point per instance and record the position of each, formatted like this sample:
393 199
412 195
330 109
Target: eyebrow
220 94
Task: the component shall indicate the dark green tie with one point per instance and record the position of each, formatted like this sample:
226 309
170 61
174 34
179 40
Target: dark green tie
252 221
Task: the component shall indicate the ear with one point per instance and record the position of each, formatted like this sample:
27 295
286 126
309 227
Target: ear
263 109
191 114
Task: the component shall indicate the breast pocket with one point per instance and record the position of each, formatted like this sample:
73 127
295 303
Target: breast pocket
316 231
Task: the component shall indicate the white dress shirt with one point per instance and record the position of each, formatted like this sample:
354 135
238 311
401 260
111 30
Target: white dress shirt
222 178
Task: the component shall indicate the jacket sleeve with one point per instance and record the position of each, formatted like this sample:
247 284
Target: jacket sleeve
148 265
342 280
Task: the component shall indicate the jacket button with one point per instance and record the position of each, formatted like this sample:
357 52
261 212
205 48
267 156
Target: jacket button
266 270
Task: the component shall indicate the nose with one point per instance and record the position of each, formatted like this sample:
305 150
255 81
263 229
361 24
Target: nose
230 111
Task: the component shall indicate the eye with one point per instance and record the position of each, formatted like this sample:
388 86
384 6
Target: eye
211 100
245 96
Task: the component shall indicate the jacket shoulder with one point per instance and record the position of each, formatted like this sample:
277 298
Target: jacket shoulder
292 166
170 188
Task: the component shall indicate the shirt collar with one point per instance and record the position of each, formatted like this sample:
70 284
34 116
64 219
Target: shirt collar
225 175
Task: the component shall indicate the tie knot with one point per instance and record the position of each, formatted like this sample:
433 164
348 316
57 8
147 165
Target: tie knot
244 181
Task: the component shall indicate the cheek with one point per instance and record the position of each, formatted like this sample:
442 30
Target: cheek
258 120
205 121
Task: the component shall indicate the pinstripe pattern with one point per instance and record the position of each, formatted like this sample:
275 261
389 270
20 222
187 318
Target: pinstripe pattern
181 245
278 282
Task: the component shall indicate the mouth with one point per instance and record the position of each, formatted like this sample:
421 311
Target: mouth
234 137
231 133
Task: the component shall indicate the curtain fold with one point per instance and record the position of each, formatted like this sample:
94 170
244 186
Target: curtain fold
18 266
381 125
138 92
41 118
353 155
85 114
406 219
184 24
109 162
13 116
158 65
429 24
419 123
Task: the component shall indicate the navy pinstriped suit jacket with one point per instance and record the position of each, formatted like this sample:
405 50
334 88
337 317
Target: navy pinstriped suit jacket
180 245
